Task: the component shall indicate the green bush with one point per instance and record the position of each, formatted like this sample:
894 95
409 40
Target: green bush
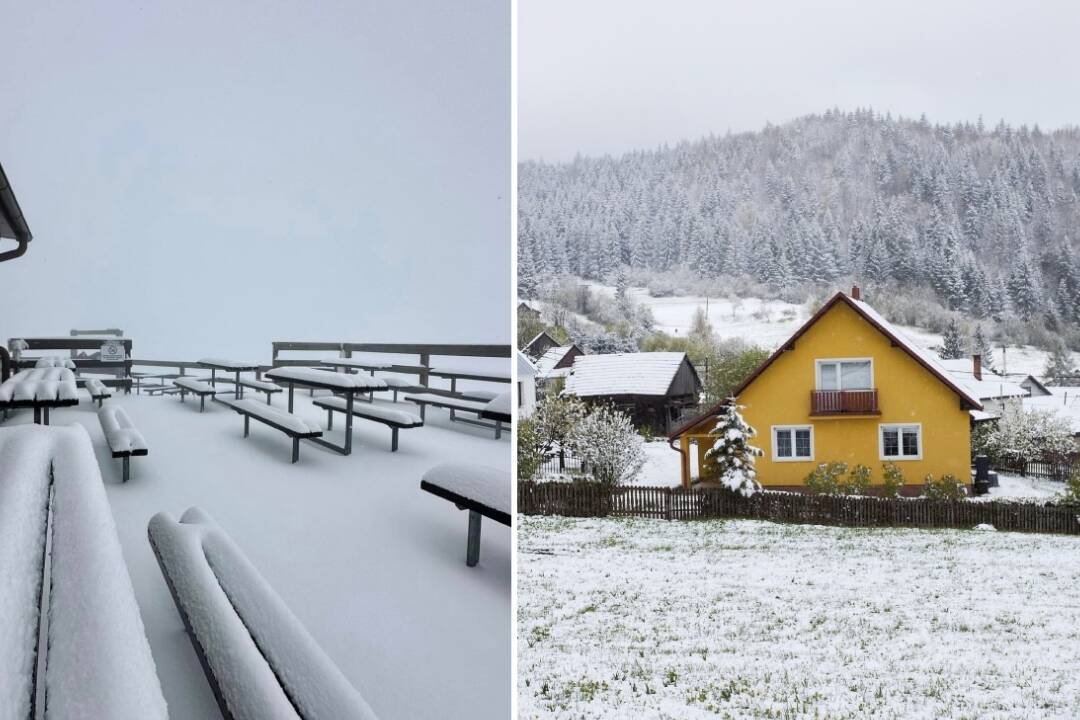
826 478
530 452
856 482
947 487
1071 496
893 480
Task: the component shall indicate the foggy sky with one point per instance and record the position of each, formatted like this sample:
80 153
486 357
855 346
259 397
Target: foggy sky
211 177
607 76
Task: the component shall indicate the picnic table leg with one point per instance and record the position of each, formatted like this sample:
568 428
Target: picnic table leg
182 395
295 449
247 425
267 397
329 419
238 389
498 429
348 422
393 439
37 416
472 551
202 403
45 413
290 396
127 468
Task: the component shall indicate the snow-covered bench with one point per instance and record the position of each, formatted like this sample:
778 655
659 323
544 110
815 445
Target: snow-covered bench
259 659
55 361
97 390
482 490
125 441
397 385
498 411
69 622
162 390
195 387
456 405
294 426
262 386
391 417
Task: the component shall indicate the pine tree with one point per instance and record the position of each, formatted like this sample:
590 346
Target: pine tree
980 345
731 458
952 342
1060 369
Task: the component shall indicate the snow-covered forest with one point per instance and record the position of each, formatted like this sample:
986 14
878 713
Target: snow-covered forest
982 218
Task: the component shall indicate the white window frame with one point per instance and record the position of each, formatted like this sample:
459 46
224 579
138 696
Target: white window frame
899 427
823 361
792 429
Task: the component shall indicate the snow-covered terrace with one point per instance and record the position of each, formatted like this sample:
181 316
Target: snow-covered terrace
372 566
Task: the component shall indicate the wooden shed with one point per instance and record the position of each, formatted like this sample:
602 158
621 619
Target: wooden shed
653 388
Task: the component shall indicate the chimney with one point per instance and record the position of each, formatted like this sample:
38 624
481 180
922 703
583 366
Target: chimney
976 362
856 294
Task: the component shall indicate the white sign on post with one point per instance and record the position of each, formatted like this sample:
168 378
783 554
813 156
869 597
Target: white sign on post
112 351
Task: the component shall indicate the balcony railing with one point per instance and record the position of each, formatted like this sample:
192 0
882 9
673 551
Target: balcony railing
843 402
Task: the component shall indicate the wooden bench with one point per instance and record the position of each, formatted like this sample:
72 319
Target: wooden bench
456 405
97 390
195 387
125 441
259 660
162 390
262 386
73 641
292 425
483 491
392 418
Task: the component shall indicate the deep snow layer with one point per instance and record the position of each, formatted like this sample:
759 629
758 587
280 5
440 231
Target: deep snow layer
372 566
744 619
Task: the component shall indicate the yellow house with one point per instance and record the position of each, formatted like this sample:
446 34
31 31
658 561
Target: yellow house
847 387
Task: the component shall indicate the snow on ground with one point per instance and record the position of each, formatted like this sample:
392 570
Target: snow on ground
768 323
661 467
372 566
1016 487
743 619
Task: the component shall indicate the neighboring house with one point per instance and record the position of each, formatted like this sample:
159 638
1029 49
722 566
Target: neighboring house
557 362
994 391
526 309
846 387
1033 385
12 222
526 385
653 388
539 345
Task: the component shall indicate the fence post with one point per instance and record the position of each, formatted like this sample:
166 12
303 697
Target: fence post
667 502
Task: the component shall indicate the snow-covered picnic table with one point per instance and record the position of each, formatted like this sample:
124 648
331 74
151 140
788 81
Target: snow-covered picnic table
41 389
357 364
483 491
347 386
77 632
233 366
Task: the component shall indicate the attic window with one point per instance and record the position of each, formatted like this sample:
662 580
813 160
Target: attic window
853 374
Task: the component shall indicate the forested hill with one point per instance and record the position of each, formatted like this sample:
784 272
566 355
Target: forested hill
987 217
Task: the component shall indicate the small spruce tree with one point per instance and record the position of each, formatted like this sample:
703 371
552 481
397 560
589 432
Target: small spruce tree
980 345
952 345
731 458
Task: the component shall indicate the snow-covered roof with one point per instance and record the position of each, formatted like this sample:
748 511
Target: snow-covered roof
982 415
647 373
991 386
545 366
525 366
1064 406
924 356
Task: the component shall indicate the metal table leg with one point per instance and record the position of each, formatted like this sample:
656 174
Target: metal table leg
472 551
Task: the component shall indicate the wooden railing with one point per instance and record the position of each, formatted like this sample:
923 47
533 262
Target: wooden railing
843 402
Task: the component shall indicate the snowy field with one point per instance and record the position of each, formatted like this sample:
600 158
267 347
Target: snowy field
370 564
632 618
768 323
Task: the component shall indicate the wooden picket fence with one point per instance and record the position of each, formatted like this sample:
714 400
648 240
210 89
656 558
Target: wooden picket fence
585 499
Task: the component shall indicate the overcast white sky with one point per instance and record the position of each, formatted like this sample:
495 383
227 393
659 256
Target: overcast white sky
606 76
213 176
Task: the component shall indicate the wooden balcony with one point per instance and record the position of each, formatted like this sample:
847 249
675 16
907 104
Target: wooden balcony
844 402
